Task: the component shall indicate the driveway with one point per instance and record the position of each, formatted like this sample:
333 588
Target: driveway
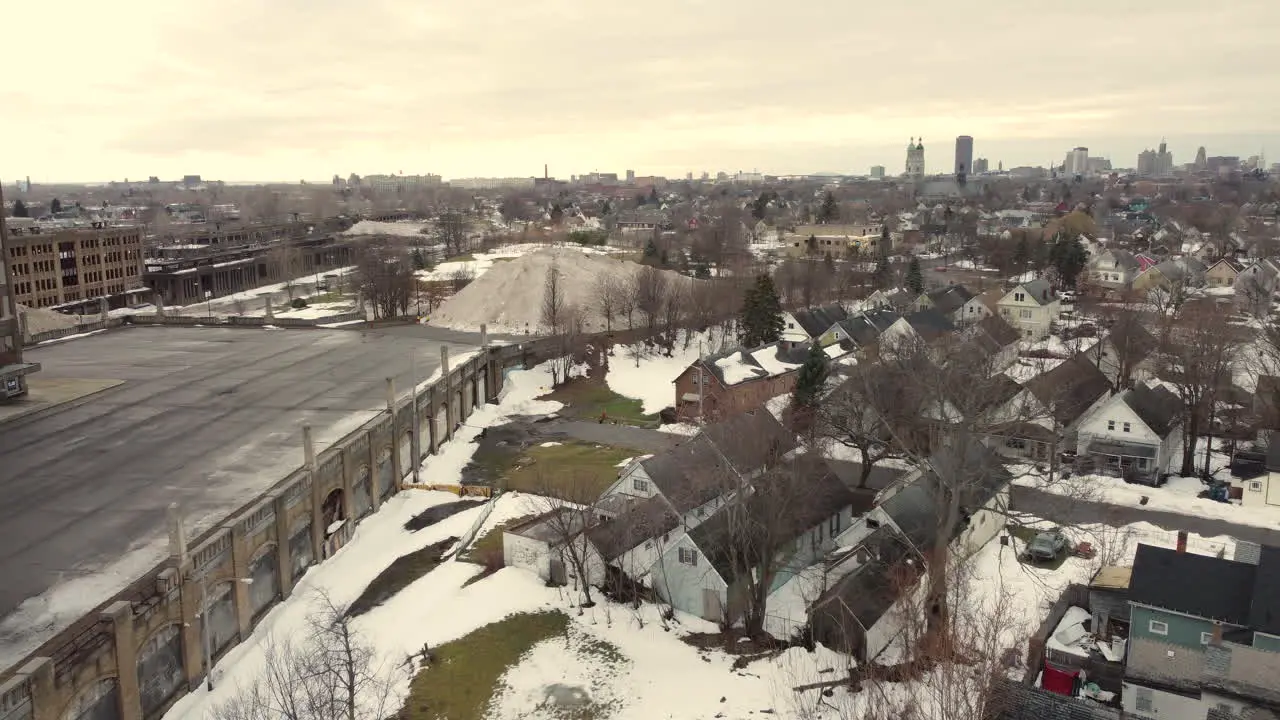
649 441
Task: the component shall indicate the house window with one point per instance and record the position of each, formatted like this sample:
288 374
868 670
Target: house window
687 556
1019 297
1206 638
1143 701
1127 427
1111 424
1024 314
1155 627
640 484
1255 485
835 525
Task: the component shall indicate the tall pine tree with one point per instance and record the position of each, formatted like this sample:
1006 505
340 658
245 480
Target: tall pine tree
883 274
19 208
761 317
830 212
915 278
810 379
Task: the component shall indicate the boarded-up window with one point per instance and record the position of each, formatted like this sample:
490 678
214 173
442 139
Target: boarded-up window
160 672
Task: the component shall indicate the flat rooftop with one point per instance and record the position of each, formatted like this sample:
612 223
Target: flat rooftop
206 417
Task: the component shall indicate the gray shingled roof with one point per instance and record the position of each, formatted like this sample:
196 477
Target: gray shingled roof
1159 408
646 520
930 324
1039 291
950 298
1069 389
1222 589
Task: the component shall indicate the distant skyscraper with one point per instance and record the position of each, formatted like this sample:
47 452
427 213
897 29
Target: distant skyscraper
1156 163
964 155
915 158
1202 161
980 165
877 172
1077 162
631 177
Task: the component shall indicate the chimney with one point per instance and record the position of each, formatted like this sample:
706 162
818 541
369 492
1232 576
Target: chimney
1182 541
545 174
1217 635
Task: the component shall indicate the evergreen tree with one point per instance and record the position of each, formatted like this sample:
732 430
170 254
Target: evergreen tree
606 209
830 212
880 279
19 209
761 317
419 259
653 195
650 253
557 214
1021 253
810 379
886 244
915 278
829 263
55 206
1068 257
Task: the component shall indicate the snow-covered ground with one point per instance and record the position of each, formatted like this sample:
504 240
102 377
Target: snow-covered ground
377 227
648 376
481 262
253 300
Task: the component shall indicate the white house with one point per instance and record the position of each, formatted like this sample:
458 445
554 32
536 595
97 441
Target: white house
1135 434
981 306
547 545
1044 415
1113 269
1264 490
1030 308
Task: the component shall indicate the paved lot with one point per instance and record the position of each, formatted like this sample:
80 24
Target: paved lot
207 417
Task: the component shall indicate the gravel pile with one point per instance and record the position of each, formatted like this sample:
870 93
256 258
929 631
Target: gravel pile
508 298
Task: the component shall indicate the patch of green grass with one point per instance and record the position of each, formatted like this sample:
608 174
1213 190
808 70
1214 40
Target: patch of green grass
459 684
570 470
399 575
586 399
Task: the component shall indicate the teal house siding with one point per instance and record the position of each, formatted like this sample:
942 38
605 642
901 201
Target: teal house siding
1183 630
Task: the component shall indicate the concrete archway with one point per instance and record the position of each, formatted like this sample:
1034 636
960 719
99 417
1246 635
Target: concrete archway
361 493
160 671
406 455
99 701
265 588
332 511
440 425
386 472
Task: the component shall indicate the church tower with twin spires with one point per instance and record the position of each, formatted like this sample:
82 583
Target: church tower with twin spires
915 159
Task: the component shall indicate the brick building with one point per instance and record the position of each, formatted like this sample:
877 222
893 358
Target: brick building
725 384
55 267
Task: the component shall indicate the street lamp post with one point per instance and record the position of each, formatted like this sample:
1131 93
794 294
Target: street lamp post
206 638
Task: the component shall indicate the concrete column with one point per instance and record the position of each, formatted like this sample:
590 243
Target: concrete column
240 569
284 563
395 433
371 457
267 312
102 308
444 363
484 335
120 616
192 644
348 485
177 536
38 674
317 494
159 304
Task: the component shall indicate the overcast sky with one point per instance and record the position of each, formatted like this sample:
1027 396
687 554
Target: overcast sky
289 89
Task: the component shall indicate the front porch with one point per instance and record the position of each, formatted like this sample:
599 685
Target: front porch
1130 461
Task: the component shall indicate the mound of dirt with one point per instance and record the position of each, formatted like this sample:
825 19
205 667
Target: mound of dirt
508 298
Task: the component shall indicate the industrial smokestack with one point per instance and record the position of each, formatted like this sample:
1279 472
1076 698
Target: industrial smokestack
545 174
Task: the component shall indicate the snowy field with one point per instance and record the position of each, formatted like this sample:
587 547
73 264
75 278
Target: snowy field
481 262
376 227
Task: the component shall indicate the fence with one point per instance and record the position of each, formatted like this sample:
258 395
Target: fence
80 329
1015 701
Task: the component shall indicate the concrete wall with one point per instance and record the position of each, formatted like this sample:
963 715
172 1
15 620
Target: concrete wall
137 653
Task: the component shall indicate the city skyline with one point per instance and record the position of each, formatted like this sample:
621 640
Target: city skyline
307 91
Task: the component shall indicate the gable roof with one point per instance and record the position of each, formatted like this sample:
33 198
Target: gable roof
731 537
1132 339
1264 606
1222 589
996 328
1038 290
1121 258
881 477
1069 389
646 520
975 470
991 298
870 591
816 321
1157 407
1229 263
750 440
950 298
739 365
930 324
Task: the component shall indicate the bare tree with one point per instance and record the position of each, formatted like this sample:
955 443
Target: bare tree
1252 295
1196 358
332 671
606 295
285 262
451 231
384 275
462 276
649 287
567 498
553 300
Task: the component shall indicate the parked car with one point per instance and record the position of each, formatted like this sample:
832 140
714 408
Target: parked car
1047 546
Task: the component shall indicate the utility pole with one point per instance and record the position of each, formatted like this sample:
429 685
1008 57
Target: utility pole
416 445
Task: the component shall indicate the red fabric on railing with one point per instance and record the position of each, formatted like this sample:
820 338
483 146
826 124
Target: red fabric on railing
1058 681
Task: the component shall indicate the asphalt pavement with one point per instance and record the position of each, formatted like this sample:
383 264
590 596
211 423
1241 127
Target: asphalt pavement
207 417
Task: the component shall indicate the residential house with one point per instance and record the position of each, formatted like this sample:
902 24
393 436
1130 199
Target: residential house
1043 418
813 323
927 326
1256 285
1135 434
629 543
1223 273
1113 269
1204 635
771 532
1148 260
980 306
724 384
1031 308
897 299
949 301
834 239
992 340
1264 490
1126 355
1181 272
859 331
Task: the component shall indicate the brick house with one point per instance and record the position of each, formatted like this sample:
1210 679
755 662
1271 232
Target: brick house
728 383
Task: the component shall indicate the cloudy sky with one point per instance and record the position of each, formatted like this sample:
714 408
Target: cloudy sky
289 89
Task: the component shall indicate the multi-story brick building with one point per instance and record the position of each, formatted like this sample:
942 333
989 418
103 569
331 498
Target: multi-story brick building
56 267
13 370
